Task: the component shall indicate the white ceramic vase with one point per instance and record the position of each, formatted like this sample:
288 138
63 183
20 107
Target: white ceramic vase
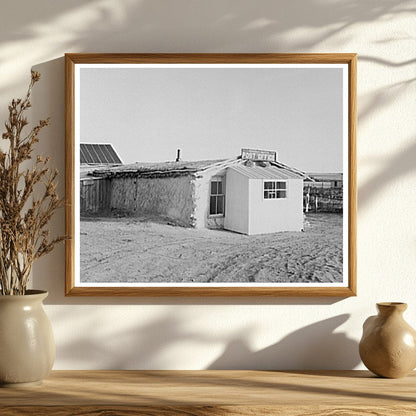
27 347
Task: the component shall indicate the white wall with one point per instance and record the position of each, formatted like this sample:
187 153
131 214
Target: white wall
236 202
196 333
271 215
202 194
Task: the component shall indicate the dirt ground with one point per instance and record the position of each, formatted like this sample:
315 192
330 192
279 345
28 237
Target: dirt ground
149 250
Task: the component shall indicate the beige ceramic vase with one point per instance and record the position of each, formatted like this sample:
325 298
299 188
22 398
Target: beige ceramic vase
27 347
388 345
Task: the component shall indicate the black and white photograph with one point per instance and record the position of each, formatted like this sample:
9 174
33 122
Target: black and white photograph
211 175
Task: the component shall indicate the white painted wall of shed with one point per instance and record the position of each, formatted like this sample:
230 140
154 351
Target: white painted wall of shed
236 202
170 197
275 215
202 192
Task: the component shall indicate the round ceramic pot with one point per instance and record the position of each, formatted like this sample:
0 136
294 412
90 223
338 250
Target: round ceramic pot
27 347
388 345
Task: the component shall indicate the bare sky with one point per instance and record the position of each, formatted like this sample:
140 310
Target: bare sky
148 113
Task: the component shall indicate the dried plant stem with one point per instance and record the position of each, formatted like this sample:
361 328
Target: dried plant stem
23 217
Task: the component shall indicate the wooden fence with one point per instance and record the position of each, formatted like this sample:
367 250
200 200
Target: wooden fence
322 199
95 196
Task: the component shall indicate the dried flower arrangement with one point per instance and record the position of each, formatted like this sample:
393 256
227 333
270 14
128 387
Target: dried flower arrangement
28 199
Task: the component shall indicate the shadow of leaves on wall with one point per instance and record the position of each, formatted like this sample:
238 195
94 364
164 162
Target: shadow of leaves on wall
150 26
316 346
391 170
144 346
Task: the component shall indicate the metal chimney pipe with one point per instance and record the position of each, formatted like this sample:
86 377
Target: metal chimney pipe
178 155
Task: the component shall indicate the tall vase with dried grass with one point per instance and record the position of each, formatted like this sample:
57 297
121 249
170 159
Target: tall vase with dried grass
28 200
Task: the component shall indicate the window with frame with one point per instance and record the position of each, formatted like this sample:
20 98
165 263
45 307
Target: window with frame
217 196
274 189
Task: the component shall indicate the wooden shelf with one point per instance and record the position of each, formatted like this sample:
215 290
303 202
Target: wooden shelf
203 393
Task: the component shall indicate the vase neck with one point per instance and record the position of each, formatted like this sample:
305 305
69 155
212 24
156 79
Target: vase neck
390 308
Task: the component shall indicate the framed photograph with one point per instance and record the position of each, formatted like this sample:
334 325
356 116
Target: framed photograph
211 174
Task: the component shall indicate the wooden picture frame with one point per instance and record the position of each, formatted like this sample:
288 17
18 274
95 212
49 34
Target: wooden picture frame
159 90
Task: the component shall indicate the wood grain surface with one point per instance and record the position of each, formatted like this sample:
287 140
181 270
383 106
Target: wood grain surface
202 393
